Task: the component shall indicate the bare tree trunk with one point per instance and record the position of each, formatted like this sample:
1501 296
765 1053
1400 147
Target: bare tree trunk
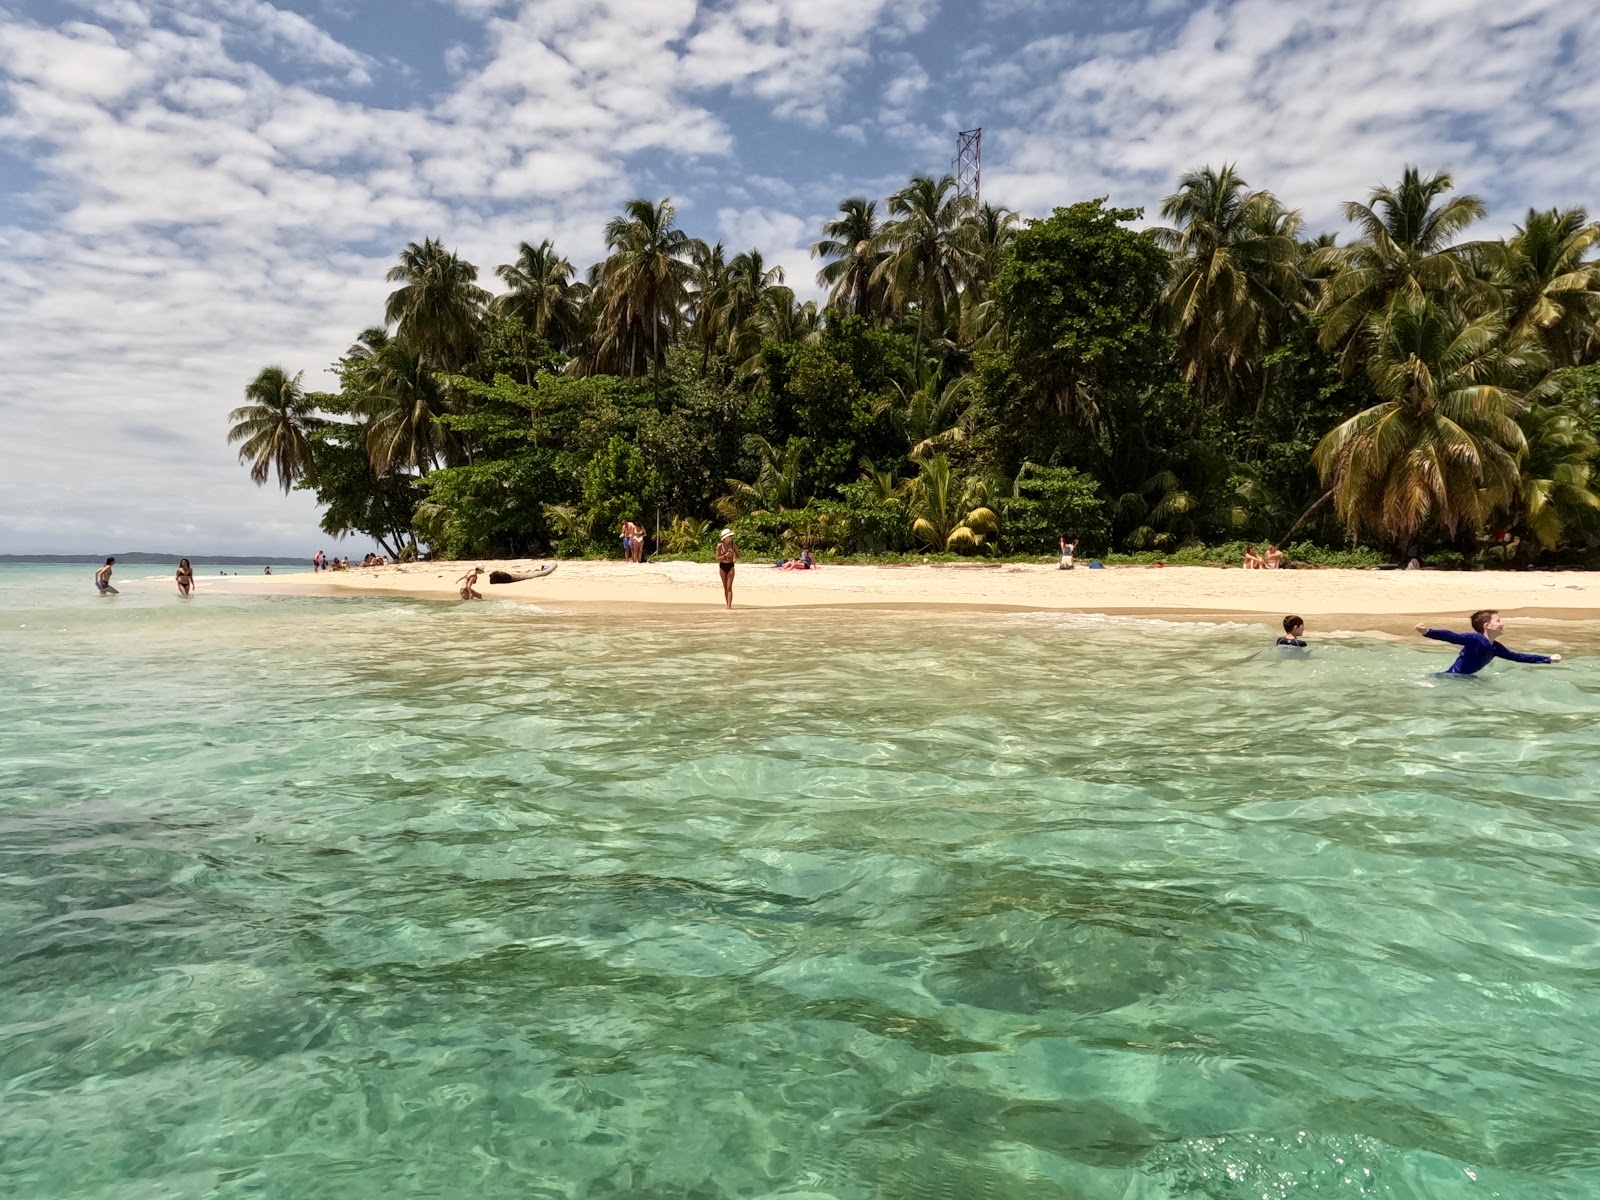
1293 529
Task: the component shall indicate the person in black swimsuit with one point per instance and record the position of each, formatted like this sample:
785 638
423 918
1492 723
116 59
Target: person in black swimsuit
185 577
1293 627
727 556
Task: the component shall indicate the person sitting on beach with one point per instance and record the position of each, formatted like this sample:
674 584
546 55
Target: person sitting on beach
102 579
1293 627
185 577
468 582
1252 560
1481 647
804 563
1274 559
1069 546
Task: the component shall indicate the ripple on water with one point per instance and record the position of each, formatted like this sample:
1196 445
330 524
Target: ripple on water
348 898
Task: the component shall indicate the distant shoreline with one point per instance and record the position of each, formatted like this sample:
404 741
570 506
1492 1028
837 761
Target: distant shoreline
146 559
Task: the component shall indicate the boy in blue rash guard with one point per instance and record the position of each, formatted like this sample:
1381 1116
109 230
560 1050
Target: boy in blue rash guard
1481 647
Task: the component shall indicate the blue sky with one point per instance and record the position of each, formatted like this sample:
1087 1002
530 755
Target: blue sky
191 189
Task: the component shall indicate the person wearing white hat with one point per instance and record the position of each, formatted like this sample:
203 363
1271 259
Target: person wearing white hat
727 555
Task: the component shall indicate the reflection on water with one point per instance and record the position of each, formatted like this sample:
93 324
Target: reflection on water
342 898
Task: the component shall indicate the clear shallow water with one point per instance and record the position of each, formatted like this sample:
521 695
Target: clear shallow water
349 898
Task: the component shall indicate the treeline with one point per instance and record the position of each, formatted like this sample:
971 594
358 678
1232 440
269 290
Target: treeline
977 385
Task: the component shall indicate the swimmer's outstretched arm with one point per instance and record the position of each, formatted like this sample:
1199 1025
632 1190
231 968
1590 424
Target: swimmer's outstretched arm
1444 635
1513 656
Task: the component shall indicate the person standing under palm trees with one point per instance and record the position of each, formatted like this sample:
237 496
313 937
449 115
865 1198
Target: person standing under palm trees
727 556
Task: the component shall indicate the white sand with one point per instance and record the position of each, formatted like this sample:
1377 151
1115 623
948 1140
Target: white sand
1370 599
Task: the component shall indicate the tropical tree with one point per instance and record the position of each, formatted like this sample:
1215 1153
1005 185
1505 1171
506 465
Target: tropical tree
1406 245
1556 498
948 513
850 246
929 407
992 230
403 403
708 306
1550 284
438 307
749 281
779 482
644 284
276 427
543 294
1441 447
1236 282
928 248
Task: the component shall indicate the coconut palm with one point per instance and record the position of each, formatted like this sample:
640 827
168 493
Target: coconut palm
275 427
645 283
1556 498
438 307
929 407
948 513
1441 447
543 294
1236 284
991 229
403 403
1406 244
1550 285
778 484
749 281
928 249
709 303
850 244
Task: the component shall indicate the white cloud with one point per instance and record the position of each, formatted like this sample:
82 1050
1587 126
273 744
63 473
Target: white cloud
1318 102
209 198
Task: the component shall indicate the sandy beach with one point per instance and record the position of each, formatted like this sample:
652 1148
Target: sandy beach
1332 598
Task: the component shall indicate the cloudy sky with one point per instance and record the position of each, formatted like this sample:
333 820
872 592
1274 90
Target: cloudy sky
191 189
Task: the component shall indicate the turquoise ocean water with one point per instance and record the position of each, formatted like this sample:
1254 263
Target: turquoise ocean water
311 898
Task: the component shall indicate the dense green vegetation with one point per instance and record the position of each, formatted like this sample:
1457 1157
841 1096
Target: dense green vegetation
975 385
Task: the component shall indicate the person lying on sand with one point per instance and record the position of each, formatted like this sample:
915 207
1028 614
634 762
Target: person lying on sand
468 582
1481 647
804 563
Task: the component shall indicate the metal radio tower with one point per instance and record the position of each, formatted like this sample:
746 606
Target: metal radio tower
968 164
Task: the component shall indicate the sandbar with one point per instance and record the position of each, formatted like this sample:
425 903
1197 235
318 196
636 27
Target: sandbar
1386 600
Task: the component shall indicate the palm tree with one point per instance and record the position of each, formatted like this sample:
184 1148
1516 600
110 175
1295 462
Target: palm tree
928 249
948 514
749 281
1557 496
438 306
709 303
275 427
992 229
542 295
402 401
645 283
1405 245
1551 288
928 407
778 484
1236 283
850 244
1442 445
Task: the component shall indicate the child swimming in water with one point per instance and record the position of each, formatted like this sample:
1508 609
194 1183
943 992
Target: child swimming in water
1481 647
1293 627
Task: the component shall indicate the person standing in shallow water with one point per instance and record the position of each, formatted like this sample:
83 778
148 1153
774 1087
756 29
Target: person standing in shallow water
727 556
102 579
185 577
1482 646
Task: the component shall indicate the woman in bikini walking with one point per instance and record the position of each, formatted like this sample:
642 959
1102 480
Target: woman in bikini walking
727 556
